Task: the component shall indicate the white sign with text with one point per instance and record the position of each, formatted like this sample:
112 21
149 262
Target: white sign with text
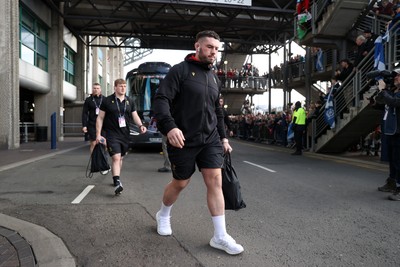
226 2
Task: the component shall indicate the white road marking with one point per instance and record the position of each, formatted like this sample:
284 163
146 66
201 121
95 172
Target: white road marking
259 166
82 195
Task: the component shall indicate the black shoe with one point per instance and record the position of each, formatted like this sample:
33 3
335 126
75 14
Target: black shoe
390 186
115 182
396 195
297 153
164 169
118 188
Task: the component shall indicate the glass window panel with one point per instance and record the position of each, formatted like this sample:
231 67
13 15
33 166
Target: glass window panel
27 20
71 67
27 38
41 32
41 63
27 54
100 53
41 48
71 55
65 65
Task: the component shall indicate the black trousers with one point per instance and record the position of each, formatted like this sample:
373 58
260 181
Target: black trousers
298 136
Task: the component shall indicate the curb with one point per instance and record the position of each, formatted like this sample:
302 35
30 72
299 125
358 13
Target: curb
41 240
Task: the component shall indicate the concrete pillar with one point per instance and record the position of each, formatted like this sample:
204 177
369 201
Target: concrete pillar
47 104
80 71
95 65
9 74
105 65
307 75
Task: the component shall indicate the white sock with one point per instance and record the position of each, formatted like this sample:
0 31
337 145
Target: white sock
219 226
165 211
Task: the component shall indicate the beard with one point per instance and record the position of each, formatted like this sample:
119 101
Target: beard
203 58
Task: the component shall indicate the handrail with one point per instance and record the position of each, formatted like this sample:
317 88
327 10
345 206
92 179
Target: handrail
357 83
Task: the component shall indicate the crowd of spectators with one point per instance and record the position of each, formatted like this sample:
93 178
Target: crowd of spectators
273 129
247 76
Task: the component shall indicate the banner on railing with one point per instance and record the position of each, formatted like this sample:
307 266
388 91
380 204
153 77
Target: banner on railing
329 114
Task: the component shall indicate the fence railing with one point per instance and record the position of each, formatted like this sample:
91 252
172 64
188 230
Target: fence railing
27 131
72 129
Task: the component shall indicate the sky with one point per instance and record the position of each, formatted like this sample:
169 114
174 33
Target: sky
260 61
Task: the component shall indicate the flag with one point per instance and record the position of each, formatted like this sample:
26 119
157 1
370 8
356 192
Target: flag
379 56
329 114
290 132
318 64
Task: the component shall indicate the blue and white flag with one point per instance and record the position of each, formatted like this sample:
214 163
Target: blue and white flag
290 132
379 55
329 114
318 63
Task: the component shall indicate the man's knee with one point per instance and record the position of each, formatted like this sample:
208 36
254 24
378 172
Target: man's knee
179 184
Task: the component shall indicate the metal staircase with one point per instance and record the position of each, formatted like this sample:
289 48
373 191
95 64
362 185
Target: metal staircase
355 116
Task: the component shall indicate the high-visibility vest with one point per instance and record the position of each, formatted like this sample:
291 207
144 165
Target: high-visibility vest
300 115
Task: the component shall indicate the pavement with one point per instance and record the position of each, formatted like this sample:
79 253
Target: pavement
25 244
22 243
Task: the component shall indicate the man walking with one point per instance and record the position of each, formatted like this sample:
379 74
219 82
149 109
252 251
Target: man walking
115 113
91 109
188 112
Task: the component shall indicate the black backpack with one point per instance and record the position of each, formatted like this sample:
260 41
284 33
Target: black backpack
98 161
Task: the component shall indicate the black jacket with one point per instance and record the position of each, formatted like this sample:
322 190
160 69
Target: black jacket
188 99
89 115
391 121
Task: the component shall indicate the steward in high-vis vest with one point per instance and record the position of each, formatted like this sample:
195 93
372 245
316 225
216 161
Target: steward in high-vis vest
299 127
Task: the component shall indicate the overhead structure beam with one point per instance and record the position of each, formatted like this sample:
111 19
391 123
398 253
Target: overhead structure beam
173 24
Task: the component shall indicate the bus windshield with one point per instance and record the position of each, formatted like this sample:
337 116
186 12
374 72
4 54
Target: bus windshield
143 83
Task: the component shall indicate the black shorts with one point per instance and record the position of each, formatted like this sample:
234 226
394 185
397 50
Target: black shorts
116 146
91 131
184 160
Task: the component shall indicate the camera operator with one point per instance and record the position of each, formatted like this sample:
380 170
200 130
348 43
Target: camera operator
390 96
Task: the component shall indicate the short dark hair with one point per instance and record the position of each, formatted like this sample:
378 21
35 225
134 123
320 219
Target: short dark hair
207 33
345 60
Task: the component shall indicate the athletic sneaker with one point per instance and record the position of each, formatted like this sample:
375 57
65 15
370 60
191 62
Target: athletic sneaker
389 186
105 172
228 244
118 187
396 195
163 224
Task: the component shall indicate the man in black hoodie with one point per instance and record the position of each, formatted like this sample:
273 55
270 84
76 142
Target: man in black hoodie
188 113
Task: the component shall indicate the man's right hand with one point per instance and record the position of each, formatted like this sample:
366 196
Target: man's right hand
84 129
176 138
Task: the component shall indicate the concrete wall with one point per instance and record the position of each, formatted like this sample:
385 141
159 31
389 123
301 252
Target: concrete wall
9 86
50 92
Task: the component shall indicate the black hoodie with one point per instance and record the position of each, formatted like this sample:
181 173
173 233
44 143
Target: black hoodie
188 99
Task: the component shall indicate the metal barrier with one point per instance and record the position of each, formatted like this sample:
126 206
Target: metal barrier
72 129
27 131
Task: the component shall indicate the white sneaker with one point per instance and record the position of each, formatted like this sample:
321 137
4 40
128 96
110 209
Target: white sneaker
228 244
163 225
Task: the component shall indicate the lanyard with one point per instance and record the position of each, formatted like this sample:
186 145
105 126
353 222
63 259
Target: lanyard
95 103
119 111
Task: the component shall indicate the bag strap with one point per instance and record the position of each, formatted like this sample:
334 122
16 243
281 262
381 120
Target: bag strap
228 159
89 173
